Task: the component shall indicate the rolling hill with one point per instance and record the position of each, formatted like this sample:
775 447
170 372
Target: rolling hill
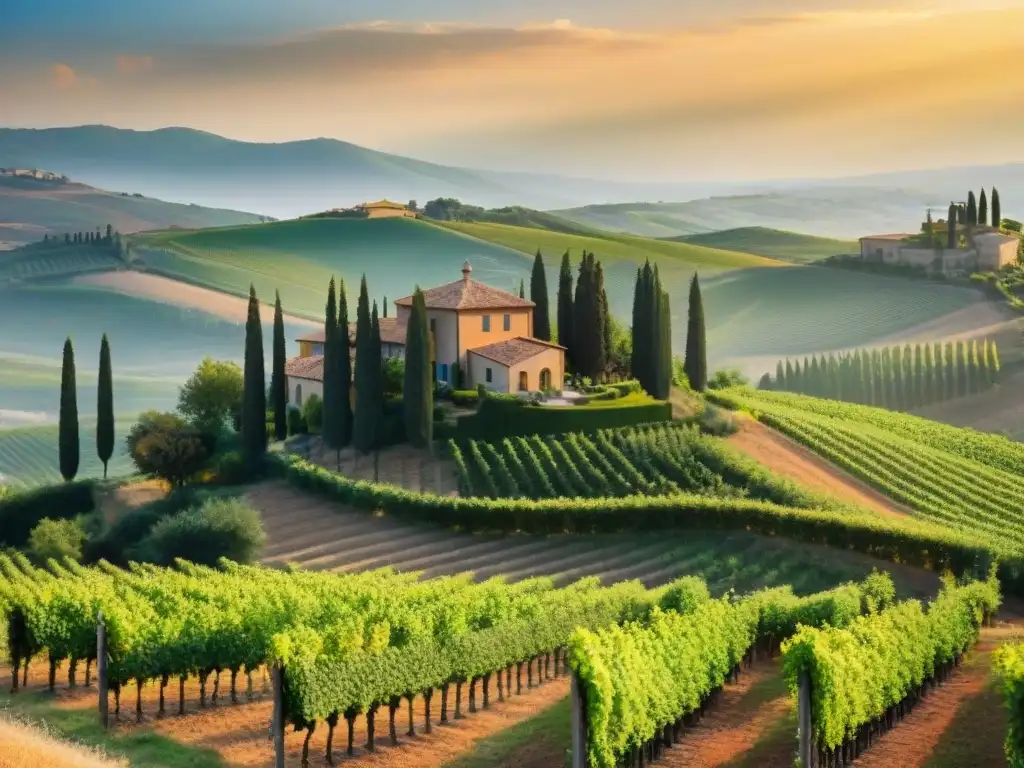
772 243
32 208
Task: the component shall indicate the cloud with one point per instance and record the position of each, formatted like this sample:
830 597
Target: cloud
131 65
63 76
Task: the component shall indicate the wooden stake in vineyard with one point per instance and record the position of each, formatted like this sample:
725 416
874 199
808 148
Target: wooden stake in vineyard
102 680
579 723
277 723
807 751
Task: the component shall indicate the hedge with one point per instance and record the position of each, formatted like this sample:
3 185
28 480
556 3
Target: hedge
21 512
500 417
908 541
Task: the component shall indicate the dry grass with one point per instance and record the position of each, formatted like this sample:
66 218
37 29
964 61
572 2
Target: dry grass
23 745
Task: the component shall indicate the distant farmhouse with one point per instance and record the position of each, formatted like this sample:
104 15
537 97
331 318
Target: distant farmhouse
382 209
32 173
980 248
479 335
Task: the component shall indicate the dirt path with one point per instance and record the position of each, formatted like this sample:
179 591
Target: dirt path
790 459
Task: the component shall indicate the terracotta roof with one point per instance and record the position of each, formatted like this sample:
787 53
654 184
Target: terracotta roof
514 351
391 332
997 237
887 237
468 294
384 204
305 368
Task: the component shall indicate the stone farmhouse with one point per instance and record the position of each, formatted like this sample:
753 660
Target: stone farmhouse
479 335
987 250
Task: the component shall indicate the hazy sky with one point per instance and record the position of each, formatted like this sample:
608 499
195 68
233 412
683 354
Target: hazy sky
644 89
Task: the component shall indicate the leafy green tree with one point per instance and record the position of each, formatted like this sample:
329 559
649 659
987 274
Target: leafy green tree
56 539
565 310
254 390
212 394
68 446
174 455
765 382
997 213
418 396
983 208
105 407
539 296
696 340
278 380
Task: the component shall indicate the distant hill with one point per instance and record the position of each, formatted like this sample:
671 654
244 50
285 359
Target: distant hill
833 212
31 208
773 243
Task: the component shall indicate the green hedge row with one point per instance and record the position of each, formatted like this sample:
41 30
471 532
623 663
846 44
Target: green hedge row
908 541
497 418
20 512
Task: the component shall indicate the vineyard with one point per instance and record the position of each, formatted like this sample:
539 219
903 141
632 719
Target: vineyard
59 263
655 460
964 480
895 378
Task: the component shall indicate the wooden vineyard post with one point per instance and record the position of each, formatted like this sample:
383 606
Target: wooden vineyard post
804 720
102 677
277 723
579 724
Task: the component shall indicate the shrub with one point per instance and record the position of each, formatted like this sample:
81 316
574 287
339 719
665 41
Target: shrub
465 396
21 511
57 539
296 423
218 528
718 422
313 413
230 469
728 377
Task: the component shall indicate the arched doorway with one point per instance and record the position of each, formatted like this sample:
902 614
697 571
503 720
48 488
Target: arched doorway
545 379
523 383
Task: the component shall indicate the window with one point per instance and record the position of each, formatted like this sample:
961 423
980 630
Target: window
489 376
507 320
444 372
298 395
433 326
523 381
487 323
318 349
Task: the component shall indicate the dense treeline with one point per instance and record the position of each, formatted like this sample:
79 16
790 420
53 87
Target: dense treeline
108 239
897 378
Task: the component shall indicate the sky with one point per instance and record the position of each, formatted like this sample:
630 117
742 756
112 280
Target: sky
645 90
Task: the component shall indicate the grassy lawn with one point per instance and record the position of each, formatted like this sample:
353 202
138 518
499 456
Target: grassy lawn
773 243
140 746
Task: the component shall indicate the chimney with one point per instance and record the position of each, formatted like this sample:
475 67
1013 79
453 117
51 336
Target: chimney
466 271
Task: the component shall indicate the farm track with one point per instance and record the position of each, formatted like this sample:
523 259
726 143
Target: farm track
788 458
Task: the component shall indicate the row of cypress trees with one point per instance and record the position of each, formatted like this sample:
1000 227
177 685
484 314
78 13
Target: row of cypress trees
651 361
976 211
68 442
584 328
897 378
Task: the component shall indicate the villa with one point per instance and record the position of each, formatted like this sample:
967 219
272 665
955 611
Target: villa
479 335
988 250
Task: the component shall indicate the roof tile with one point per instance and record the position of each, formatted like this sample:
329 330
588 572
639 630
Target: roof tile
514 351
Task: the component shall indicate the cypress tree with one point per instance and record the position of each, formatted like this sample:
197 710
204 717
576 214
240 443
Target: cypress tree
951 240
765 382
641 330
539 297
993 363
972 209
973 369
418 394
664 383
332 371
68 448
365 422
920 376
928 376
961 368
384 306
278 382
584 322
344 366
813 384
790 378
909 382
377 372
565 310
983 208
660 373
696 360
254 392
522 289
997 214
105 407
780 377
949 379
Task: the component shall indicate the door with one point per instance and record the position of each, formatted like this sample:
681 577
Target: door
523 381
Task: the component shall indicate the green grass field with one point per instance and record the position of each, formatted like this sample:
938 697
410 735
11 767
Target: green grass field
28 455
773 243
959 478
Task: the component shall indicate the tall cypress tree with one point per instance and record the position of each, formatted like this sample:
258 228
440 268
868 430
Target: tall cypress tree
961 369
663 382
365 422
278 382
972 209
565 310
540 299
344 365
67 443
589 333
378 377
522 289
997 213
333 393
780 377
696 362
639 363
949 378
983 208
384 306
920 376
928 376
418 394
951 239
607 342
105 407
254 392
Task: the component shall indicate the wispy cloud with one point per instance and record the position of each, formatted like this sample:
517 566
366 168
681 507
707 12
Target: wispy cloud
63 76
130 65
